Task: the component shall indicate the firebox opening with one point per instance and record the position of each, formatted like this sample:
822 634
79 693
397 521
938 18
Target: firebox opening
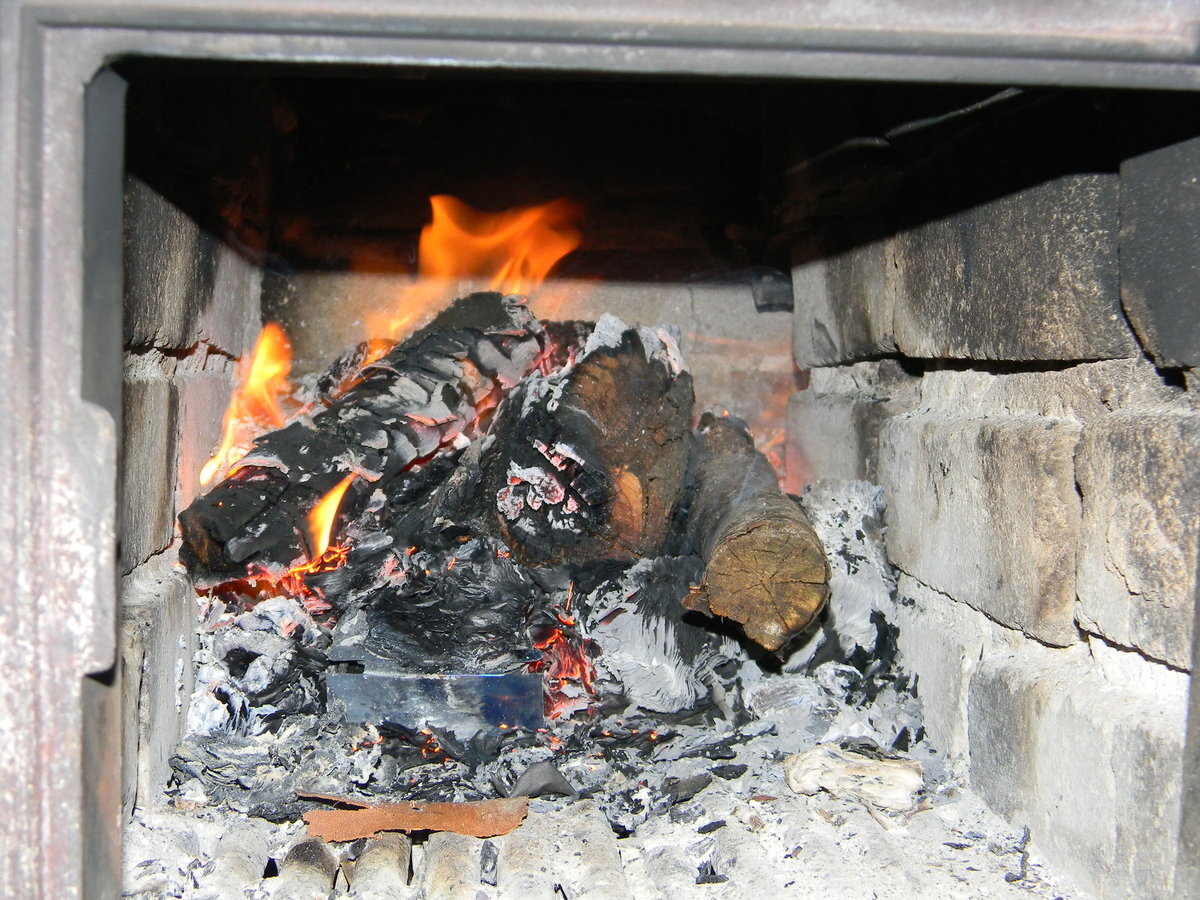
945 255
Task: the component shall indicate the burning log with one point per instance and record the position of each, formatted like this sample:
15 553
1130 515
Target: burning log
763 563
592 460
434 390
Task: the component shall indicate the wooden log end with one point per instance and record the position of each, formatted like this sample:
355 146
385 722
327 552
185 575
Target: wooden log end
772 581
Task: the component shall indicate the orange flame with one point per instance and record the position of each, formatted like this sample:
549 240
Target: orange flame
515 250
255 404
320 520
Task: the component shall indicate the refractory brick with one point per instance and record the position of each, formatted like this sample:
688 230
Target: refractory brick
1029 276
1088 756
985 511
1141 527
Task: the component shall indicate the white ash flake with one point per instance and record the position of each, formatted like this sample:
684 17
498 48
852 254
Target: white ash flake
352 461
534 387
848 518
608 333
543 489
376 441
662 343
558 454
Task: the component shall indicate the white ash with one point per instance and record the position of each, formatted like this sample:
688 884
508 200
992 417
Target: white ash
659 665
273 632
607 333
200 854
707 802
730 822
662 343
755 838
848 518
699 799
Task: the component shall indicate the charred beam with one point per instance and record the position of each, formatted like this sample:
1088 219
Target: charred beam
763 563
436 388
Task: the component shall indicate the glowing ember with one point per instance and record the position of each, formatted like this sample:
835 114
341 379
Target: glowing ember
569 673
324 558
375 349
256 404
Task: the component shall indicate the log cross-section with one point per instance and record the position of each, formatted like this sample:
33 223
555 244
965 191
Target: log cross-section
763 563
589 464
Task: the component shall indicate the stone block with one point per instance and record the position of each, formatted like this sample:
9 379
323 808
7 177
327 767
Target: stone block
833 426
1086 751
843 299
1029 276
1160 231
941 642
147 467
985 511
1084 392
183 285
1140 532
326 312
158 641
201 394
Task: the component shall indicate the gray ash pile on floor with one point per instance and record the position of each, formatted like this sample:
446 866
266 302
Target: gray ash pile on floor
523 518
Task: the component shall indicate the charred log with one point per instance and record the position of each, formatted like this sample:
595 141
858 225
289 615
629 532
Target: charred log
589 464
434 390
763 563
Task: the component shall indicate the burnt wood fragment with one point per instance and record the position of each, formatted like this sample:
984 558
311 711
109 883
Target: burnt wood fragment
763 563
434 390
589 463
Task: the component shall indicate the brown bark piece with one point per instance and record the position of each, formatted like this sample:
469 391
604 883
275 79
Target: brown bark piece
764 565
481 819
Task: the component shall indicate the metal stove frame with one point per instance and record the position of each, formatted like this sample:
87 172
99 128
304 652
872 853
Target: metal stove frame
60 280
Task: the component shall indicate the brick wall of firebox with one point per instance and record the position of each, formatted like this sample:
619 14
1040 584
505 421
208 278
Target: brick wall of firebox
1010 375
191 310
991 361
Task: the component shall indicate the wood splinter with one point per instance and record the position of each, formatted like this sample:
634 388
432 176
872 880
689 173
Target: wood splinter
763 563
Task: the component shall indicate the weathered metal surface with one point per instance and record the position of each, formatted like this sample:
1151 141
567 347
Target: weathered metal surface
1187 859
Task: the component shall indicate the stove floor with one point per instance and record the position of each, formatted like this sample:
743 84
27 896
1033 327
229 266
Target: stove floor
736 839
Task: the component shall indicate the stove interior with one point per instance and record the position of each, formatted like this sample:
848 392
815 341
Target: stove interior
929 308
